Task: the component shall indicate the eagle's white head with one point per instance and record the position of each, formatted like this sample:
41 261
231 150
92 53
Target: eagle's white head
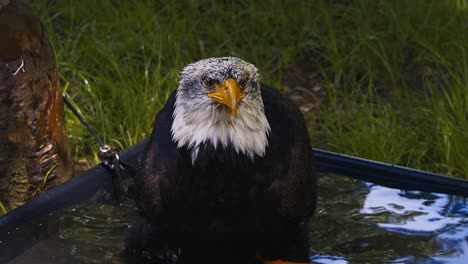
219 101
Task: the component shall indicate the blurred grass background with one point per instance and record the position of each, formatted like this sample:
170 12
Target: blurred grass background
393 74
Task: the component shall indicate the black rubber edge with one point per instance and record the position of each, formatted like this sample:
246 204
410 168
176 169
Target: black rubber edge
388 175
79 189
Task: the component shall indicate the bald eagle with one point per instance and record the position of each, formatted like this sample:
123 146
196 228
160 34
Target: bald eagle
227 175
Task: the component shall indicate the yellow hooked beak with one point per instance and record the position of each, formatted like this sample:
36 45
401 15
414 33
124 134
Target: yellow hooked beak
229 94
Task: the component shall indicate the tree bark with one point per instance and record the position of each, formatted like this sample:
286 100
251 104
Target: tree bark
34 154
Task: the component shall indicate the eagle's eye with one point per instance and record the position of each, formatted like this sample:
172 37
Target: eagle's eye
243 81
209 82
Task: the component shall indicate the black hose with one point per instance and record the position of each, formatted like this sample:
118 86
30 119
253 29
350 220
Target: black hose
82 120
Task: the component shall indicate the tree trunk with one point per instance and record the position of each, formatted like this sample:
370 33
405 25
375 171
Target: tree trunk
34 154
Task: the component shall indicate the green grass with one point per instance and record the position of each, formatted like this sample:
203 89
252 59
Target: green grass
398 76
395 72
120 61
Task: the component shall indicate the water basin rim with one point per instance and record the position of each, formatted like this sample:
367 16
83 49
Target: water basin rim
80 188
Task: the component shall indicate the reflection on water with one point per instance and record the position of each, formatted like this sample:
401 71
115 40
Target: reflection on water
365 223
418 214
355 222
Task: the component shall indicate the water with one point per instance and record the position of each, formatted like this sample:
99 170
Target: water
356 222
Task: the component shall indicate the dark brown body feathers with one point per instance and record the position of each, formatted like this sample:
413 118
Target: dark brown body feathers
225 197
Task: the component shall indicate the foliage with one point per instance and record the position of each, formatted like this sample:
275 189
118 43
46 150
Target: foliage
395 72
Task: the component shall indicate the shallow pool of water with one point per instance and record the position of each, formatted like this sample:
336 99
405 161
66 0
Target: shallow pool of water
358 222
355 222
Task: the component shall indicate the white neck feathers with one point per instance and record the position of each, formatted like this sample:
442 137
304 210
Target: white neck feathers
200 121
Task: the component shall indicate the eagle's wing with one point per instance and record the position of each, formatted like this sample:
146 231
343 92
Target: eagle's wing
290 155
158 166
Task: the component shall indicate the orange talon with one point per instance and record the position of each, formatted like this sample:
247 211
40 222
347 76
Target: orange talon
259 257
